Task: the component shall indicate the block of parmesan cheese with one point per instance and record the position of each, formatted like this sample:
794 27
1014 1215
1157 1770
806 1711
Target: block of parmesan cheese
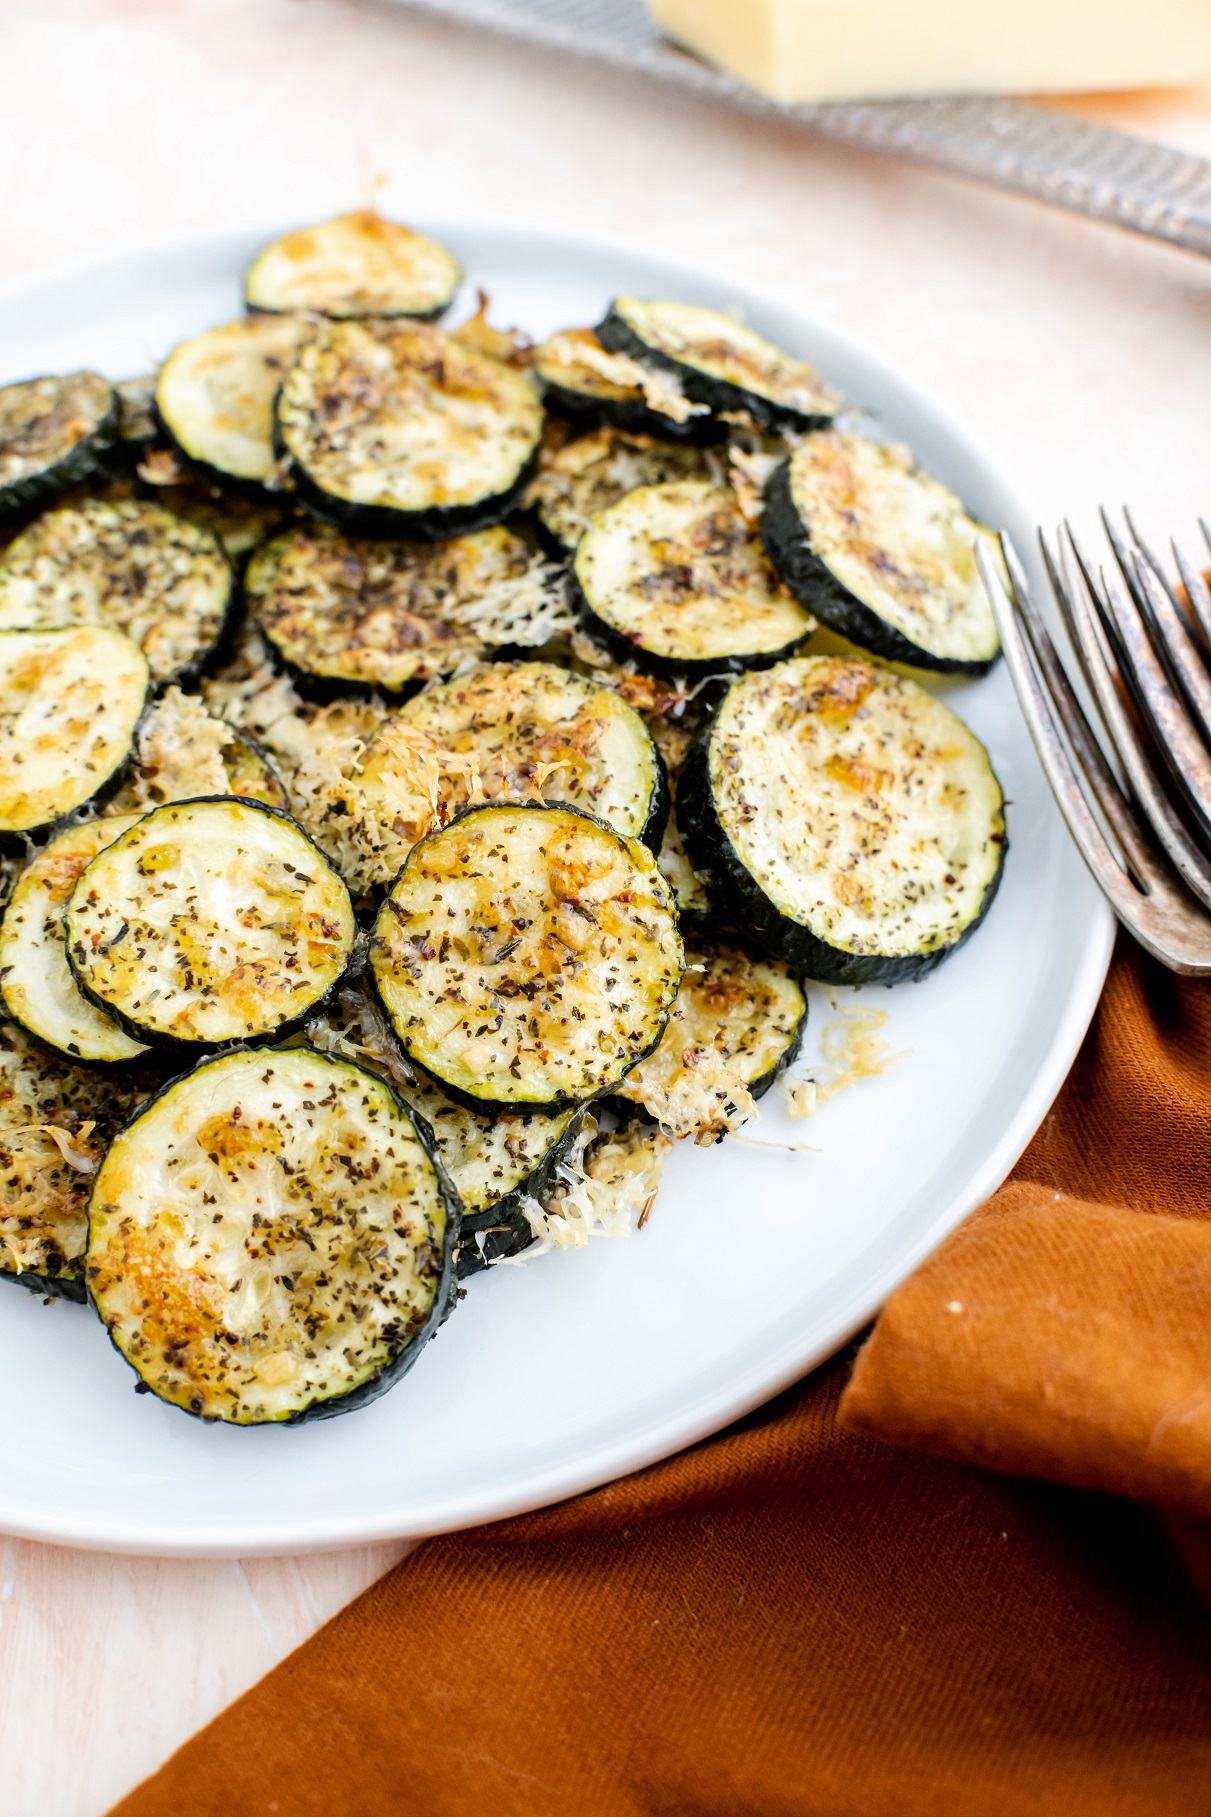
830 50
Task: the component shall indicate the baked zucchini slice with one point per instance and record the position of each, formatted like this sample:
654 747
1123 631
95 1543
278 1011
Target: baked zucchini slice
394 429
214 398
852 822
532 727
39 989
674 579
720 363
55 1122
53 433
588 475
130 565
241 523
882 552
737 1021
209 922
582 380
184 751
358 265
70 702
271 1239
352 617
527 956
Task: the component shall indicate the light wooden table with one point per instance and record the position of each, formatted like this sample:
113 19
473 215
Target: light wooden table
1077 356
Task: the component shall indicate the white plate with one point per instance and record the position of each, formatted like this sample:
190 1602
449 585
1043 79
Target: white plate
559 1375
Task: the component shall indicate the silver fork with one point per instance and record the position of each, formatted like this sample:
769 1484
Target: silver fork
1137 800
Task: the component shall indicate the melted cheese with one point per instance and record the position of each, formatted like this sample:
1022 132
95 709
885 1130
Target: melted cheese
898 540
594 471
210 921
69 703
527 955
128 565
863 807
267 1234
677 570
388 414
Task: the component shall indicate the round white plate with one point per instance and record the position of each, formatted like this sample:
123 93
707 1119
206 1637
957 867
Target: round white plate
757 1263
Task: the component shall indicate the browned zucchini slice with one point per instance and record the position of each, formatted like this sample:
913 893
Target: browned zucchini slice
347 616
527 956
54 432
358 265
70 702
271 1239
395 429
39 989
673 578
594 471
130 565
209 922
214 397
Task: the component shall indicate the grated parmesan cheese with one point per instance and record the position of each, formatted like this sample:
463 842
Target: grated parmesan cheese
606 1187
851 1048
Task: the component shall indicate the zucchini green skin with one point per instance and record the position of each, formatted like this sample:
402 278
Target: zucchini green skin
630 414
617 336
69 1285
206 471
89 454
814 584
197 1051
504 1223
443 1300
669 668
383 523
712 853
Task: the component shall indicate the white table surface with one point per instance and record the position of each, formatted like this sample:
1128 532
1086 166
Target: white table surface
1077 355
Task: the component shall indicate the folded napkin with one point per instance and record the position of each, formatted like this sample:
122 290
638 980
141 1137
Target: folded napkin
799 1618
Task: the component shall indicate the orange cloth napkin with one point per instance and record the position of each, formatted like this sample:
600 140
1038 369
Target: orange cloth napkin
795 1619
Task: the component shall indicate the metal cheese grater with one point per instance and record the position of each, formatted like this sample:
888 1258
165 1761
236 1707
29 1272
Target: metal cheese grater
1092 170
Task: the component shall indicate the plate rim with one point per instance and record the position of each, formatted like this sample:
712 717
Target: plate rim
664 1436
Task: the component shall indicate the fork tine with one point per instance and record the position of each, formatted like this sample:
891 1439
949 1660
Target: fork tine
1123 552
1040 720
1196 590
1150 557
1159 705
1103 783
1188 861
1177 646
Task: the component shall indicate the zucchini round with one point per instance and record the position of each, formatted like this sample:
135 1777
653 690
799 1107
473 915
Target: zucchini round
130 565
529 726
358 265
214 398
241 523
736 1020
595 471
271 1239
209 922
36 980
527 957
54 432
344 616
720 363
70 702
852 822
396 430
580 378
882 552
55 1122
673 579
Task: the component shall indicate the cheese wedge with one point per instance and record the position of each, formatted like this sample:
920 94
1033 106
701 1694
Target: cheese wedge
832 50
